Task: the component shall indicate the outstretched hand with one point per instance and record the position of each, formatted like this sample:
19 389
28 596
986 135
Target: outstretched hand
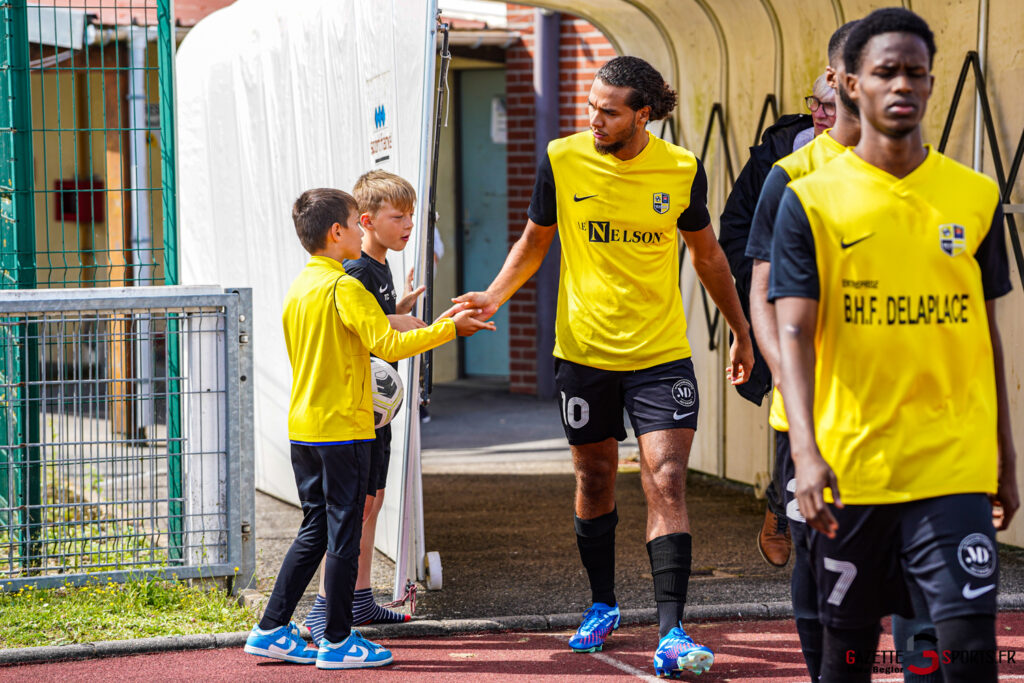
484 301
467 320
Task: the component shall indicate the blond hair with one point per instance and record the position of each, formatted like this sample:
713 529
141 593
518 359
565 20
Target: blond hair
374 188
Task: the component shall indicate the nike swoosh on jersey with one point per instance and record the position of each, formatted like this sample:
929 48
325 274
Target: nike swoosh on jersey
383 288
971 593
846 245
678 416
577 198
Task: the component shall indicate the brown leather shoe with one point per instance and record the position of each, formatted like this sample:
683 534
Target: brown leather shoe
773 540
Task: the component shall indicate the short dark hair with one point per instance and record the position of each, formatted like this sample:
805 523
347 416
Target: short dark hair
886 20
838 41
649 88
315 211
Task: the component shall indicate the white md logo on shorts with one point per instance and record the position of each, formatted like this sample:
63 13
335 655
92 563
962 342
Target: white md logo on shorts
684 393
977 556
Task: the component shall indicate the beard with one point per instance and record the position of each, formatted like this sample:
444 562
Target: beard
847 101
613 147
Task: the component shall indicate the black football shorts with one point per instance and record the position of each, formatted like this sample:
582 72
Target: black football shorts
591 400
945 544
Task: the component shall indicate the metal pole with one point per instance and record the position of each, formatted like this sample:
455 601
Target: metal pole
168 182
545 86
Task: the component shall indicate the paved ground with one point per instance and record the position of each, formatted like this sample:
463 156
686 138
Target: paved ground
750 651
498 490
498 507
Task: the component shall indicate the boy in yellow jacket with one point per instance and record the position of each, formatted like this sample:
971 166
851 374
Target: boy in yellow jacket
331 324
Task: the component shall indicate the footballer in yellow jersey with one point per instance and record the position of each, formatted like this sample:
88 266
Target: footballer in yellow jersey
885 265
620 198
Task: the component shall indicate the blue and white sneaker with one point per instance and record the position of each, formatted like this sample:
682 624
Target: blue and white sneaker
283 642
678 653
355 652
598 623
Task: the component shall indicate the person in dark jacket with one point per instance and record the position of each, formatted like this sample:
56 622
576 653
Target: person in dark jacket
773 540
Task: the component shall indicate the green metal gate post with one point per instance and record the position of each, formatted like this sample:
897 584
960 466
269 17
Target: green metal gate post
168 169
19 450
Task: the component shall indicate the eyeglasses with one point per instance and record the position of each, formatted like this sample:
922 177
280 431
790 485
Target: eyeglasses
813 103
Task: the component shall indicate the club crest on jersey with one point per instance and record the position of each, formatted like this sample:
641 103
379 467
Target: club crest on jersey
951 239
661 202
977 555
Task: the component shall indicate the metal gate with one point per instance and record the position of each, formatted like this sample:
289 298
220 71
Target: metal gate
85 500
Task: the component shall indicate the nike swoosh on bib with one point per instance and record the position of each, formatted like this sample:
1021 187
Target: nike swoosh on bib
846 245
577 198
971 593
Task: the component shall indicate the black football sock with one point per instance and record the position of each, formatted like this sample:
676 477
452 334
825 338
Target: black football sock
595 539
671 556
971 643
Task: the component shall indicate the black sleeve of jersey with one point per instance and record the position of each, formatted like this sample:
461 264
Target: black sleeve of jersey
759 244
358 270
543 207
696 216
794 265
992 259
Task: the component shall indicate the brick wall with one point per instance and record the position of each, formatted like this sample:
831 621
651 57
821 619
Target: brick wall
582 50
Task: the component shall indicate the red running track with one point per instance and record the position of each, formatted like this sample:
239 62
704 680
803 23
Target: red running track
754 651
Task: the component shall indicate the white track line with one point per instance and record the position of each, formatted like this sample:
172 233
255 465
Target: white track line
621 666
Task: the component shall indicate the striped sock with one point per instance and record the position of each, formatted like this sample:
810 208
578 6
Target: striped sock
366 611
316 620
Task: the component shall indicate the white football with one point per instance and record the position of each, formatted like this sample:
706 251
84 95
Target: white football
387 392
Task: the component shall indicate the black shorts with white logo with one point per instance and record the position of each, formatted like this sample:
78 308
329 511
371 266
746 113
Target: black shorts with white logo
945 544
655 398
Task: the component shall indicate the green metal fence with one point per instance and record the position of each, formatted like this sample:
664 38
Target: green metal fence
87 199
88 123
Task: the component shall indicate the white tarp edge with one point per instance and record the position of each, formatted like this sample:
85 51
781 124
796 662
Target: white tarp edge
273 99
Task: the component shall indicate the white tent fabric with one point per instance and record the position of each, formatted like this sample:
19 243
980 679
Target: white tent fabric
273 99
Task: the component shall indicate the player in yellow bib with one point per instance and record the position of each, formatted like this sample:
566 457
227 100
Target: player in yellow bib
619 199
885 265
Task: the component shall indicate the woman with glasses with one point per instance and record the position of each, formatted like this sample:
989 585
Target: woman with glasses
822 105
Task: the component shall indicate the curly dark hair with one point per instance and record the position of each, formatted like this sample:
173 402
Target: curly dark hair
887 20
649 89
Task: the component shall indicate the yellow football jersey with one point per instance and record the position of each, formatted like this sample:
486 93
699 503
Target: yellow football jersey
619 304
331 324
904 389
815 154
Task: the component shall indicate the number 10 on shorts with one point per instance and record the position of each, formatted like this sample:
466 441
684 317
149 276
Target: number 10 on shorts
575 411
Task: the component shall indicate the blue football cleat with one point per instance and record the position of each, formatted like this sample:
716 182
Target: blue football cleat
598 623
355 652
283 642
678 653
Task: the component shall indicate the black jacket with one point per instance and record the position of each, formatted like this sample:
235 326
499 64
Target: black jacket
776 142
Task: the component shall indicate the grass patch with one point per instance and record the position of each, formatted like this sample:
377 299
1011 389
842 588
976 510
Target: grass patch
140 608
